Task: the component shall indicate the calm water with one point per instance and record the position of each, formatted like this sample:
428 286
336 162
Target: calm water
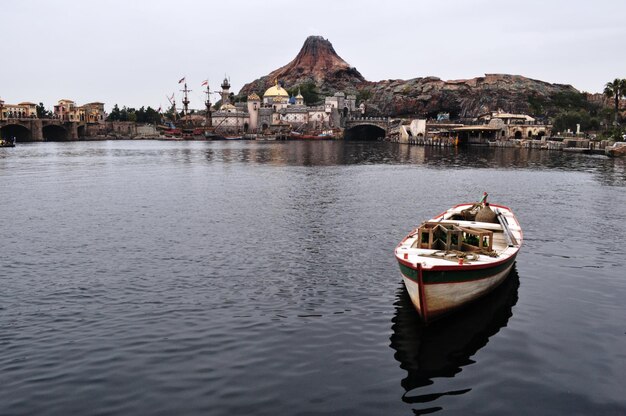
259 278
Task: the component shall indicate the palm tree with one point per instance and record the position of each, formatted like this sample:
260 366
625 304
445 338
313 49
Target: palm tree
615 90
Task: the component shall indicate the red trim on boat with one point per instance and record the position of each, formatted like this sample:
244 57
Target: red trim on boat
406 263
457 267
420 287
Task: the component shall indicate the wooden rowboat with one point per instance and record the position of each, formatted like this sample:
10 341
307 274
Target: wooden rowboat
457 257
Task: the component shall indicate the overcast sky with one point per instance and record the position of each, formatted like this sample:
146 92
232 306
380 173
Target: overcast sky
133 52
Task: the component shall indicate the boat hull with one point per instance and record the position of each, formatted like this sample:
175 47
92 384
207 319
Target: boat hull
436 293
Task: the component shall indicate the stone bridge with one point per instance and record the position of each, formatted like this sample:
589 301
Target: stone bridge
367 128
38 130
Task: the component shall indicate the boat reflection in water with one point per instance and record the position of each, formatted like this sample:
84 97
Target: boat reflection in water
442 348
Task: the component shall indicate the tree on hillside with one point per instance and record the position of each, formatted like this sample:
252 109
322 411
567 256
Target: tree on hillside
615 90
309 92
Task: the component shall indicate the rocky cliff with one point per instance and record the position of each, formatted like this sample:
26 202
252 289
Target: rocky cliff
462 98
318 62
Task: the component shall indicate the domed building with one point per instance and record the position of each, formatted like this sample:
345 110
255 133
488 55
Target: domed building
276 95
277 112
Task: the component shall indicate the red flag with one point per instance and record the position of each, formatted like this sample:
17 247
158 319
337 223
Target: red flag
205 82
181 80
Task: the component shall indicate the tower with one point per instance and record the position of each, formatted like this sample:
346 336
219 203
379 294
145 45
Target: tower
299 98
254 103
225 91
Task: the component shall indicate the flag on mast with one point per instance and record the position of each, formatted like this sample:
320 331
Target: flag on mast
205 82
181 80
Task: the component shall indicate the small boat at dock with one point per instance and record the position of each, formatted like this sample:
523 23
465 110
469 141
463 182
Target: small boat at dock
458 256
325 135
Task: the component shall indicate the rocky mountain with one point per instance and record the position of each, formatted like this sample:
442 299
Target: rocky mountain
318 62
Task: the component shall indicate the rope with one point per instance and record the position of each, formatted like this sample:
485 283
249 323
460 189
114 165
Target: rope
455 255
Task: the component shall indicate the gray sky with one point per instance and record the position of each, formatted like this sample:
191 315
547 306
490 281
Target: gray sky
133 52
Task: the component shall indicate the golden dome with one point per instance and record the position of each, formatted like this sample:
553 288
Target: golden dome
276 91
253 97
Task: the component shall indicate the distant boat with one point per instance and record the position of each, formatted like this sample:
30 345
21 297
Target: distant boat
327 135
7 142
193 134
210 134
617 150
458 256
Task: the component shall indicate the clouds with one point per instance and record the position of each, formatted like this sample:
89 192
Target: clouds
133 52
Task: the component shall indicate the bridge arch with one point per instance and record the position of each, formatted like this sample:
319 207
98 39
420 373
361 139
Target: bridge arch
21 133
54 133
365 132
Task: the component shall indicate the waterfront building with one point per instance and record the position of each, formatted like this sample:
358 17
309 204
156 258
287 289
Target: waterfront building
22 110
341 102
412 131
278 112
514 126
94 112
67 110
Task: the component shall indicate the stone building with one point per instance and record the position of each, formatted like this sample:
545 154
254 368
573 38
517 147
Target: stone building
94 112
345 105
67 110
22 110
278 112
514 126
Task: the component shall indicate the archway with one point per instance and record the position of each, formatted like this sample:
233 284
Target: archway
365 132
518 135
54 133
21 133
81 131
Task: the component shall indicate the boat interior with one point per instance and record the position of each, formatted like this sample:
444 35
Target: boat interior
466 231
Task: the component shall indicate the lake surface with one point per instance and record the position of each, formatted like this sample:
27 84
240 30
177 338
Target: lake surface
232 278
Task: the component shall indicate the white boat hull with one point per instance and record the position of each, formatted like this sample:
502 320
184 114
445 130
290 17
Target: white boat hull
438 286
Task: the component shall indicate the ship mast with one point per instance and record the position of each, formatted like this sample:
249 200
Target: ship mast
186 101
209 119
172 101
